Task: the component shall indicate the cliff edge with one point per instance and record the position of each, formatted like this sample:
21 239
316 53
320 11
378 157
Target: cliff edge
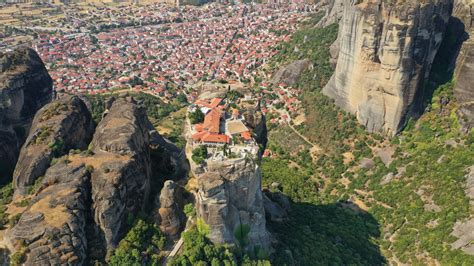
25 87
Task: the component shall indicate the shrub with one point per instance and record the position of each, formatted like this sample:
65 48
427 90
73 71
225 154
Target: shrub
196 117
140 245
189 210
199 154
19 257
14 220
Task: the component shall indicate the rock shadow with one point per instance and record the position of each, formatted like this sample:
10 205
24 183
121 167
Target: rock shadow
334 234
444 64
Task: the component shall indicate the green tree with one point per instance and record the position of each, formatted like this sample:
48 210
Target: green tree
196 117
140 245
199 154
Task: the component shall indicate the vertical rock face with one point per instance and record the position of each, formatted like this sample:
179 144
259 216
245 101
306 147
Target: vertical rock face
229 195
83 205
464 74
53 226
257 121
334 11
121 175
58 127
25 87
386 52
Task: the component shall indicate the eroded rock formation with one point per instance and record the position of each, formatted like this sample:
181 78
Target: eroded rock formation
121 163
58 127
464 10
257 122
464 74
385 55
289 74
25 87
53 227
169 215
334 11
229 195
86 199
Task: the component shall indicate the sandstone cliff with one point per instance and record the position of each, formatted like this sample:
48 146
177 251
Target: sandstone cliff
229 196
334 11
86 199
464 90
58 127
121 162
53 227
385 55
25 87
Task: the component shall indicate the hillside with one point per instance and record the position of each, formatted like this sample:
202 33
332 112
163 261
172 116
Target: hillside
365 198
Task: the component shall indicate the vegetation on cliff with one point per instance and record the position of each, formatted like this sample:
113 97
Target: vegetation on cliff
199 250
364 199
141 245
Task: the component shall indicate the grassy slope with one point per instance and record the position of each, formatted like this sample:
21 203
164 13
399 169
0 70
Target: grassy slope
395 225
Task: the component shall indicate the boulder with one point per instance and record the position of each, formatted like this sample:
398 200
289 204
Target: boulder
273 210
367 163
170 214
289 74
334 12
58 127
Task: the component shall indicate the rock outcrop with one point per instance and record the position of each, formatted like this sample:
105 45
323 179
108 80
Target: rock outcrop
84 203
385 55
289 74
464 10
257 121
169 215
25 87
58 127
229 196
52 229
334 12
276 206
121 162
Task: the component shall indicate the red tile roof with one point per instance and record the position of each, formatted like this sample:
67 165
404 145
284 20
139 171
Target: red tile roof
246 135
199 127
209 104
210 137
212 121
216 138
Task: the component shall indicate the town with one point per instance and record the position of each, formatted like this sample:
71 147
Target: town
161 49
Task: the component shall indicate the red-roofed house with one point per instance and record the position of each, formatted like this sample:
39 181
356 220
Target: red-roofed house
209 104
